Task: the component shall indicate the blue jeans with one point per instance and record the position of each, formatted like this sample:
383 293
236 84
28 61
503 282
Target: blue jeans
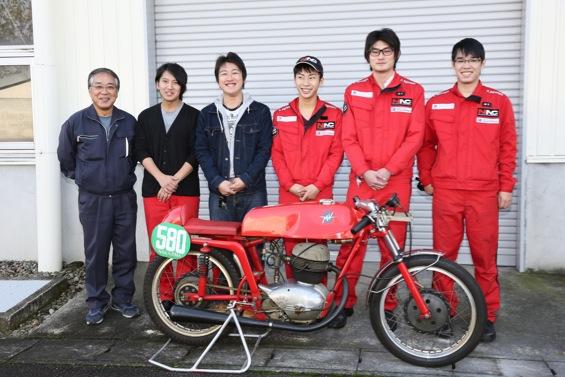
236 207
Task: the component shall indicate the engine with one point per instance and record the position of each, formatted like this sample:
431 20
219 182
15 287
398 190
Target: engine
302 299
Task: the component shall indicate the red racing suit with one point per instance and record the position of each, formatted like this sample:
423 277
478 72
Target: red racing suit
381 129
469 156
306 155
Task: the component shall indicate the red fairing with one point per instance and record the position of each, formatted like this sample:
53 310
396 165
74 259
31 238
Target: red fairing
301 220
174 216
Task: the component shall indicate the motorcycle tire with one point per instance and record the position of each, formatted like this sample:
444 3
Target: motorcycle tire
455 299
167 279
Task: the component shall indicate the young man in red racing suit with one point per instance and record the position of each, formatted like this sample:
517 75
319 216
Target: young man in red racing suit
307 149
383 128
467 163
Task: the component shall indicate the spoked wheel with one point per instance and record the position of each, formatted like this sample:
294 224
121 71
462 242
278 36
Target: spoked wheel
169 281
456 303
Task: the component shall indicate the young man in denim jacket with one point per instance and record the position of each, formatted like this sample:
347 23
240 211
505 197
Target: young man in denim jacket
233 144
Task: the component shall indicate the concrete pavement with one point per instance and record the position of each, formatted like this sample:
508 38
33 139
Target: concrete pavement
530 340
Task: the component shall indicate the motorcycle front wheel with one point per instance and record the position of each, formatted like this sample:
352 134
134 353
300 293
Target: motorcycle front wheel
456 303
168 281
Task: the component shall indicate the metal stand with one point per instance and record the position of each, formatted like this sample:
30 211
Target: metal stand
239 333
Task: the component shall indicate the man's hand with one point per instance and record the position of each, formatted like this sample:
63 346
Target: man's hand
237 184
429 189
310 193
504 199
377 179
225 188
297 190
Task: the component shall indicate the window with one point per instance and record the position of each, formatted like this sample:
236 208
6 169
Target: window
15 104
16 56
16 27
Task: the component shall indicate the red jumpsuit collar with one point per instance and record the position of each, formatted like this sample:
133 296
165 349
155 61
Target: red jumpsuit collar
476 96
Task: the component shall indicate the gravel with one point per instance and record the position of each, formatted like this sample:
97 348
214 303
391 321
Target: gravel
72 272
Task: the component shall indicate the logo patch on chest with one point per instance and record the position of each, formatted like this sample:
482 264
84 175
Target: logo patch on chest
325 125
492 113
402 102
401 105
488 116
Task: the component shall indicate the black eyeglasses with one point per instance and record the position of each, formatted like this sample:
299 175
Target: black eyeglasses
472 61
387 51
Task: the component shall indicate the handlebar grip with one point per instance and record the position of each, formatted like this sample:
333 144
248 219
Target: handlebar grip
361 224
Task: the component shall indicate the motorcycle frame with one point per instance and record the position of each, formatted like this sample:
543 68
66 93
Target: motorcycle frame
253 273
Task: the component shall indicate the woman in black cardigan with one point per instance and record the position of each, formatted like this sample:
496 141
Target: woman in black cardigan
164 144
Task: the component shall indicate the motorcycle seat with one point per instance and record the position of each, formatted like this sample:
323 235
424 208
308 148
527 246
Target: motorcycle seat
196 226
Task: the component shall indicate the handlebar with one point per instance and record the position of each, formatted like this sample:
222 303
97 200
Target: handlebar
369 206
378 215
365 221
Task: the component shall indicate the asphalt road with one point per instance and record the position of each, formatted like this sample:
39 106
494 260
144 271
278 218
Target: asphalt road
43 370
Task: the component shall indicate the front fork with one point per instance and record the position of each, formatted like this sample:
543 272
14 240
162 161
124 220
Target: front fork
411 284
408 278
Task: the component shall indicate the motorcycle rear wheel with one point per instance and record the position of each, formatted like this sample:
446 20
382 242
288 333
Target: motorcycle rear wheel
167 279
459 312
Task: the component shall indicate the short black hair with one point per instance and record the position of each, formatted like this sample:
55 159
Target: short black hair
306 67
177 71
468 46
386 35
103 70
230 57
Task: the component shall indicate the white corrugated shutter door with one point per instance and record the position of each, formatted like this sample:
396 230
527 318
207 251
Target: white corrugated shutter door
271 35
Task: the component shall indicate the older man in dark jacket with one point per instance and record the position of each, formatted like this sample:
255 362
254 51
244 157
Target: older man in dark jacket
95 149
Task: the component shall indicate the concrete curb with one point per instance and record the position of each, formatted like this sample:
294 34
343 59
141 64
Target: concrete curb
15 316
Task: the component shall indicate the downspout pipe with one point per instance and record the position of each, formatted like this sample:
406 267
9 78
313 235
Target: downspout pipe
46 131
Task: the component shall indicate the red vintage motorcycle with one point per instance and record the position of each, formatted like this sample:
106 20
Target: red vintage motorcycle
222 282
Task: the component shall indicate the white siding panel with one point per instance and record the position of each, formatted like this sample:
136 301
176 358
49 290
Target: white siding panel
271 35
544 63
92 34
119 44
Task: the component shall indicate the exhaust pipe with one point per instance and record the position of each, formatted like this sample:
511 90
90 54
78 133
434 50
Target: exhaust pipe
182 313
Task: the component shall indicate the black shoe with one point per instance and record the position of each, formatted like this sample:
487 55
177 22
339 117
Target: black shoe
339 321
446 331
490 333
348 311
391 320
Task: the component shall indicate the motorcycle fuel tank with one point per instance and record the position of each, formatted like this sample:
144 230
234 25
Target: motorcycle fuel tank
311 220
